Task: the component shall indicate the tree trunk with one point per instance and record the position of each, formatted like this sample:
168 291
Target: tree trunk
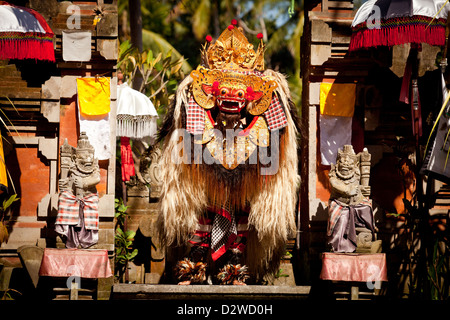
216 13
135 23
136 34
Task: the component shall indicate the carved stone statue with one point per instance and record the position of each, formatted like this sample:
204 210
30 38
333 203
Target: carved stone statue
77 219
351 225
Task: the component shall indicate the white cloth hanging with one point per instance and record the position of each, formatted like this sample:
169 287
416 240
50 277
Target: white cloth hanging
98 131
76 45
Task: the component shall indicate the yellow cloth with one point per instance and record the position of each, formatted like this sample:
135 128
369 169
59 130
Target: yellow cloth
3 176
337 99
94 96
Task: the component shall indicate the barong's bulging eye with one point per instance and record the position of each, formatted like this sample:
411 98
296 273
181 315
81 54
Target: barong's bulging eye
223 91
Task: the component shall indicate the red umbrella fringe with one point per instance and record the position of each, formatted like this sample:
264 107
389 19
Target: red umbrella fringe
398 31
18 45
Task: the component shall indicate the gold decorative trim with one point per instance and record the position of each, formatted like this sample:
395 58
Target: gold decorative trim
230 155
235 80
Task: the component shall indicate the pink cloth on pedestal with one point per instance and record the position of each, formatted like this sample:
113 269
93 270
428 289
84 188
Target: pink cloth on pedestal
354 267
93 263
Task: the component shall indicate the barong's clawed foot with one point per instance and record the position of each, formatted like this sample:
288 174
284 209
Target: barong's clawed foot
239 283
188 272
235 274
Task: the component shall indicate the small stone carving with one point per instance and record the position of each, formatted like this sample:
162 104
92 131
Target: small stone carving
147 182
77 219
351 225
152 172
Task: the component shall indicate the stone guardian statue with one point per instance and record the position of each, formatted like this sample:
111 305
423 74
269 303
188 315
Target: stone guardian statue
77 220
351 225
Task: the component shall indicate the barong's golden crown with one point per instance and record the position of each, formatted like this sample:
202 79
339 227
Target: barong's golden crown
232 51
232 63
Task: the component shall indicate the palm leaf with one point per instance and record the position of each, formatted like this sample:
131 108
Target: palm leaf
201 19
444 105
442 7
157 43
7 203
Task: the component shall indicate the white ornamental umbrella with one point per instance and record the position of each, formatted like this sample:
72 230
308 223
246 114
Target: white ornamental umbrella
136 115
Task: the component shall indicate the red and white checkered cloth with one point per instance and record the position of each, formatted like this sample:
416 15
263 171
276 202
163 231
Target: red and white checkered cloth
195 116
275 116
69 210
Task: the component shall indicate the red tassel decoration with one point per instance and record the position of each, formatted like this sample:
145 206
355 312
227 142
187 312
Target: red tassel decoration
127 159
16 45
29 45
416 29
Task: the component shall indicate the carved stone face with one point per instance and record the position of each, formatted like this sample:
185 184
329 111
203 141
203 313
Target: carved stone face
346 165
85 161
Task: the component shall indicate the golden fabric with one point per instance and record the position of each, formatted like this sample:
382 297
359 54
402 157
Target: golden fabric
337 99
94 96
3 175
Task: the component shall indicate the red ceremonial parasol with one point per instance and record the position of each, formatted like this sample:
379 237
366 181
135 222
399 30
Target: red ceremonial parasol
394 22
397 22
24 34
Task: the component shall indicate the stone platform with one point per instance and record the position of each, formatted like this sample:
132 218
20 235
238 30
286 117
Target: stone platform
207 292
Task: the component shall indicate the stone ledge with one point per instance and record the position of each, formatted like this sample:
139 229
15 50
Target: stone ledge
207 292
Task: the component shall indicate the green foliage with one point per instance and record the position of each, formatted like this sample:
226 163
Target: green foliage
121 212
8 202
4 209
8 296
200 19
181 27
123 245
124 252
158 74
438 272
427 255
280 274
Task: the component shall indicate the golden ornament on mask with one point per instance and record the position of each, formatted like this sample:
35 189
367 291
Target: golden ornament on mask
234 80
232 154
233 49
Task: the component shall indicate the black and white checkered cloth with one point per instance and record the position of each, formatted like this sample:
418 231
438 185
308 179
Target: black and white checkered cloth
224 232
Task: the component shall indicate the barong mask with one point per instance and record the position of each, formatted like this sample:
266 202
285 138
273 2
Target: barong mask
234 93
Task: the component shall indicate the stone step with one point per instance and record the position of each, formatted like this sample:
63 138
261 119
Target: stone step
9 71
124 291
20 93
